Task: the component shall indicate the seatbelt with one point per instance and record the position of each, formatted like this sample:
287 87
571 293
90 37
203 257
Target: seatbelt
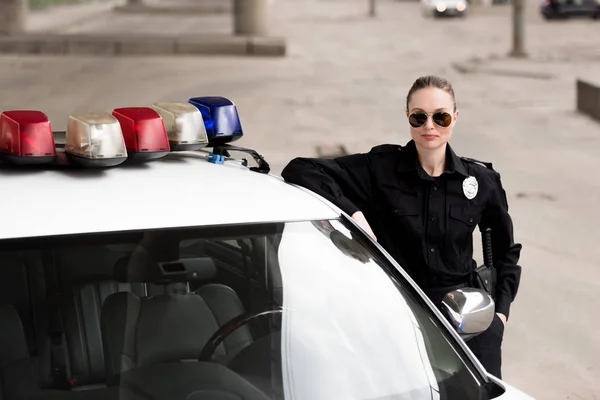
61 369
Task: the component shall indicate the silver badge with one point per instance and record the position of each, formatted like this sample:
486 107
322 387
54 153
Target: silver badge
470 187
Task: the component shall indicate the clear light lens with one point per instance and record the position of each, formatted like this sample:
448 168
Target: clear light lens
441 7
95 136
183 122
461 6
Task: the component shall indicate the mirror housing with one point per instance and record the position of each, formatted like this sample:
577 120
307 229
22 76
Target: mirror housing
469 310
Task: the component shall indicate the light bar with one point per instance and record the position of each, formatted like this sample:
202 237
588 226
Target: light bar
95 140
144 132
184 125
26 137
221 119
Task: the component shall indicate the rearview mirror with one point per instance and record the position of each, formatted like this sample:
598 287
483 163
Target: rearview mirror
471 311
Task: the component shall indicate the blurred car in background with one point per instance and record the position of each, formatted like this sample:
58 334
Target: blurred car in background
554 9
442 8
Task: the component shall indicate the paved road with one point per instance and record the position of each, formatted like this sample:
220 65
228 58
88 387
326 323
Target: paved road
345 80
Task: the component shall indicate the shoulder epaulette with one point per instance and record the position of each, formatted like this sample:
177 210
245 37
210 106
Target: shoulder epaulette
386 148
488 165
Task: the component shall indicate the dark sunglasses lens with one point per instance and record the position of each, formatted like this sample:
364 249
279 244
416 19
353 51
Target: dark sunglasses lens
417 119
442 119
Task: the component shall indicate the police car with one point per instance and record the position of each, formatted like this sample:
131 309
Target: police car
145 256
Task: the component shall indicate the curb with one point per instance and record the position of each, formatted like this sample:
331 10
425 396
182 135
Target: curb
123 45
174 10
470 68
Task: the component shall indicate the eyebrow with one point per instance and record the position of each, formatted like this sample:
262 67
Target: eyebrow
420 109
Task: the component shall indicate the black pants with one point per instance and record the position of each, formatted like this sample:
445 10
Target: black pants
487 347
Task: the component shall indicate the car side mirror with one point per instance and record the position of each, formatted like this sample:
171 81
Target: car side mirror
471 311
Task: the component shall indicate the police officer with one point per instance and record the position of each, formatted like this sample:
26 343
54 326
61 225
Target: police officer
422 203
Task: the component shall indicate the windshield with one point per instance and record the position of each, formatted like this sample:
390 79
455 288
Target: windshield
298 310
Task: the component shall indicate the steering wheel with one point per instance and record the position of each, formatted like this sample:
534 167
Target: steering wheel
228 328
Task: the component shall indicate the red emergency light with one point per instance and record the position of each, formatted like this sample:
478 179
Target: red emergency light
26 137
144 132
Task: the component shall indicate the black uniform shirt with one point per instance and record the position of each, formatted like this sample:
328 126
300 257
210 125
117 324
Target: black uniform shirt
426 223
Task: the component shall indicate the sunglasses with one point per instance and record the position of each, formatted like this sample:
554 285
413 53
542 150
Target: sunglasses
418 119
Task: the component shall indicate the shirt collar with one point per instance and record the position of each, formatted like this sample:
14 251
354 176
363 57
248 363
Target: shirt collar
410 161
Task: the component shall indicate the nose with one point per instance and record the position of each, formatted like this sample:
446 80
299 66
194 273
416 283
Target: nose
429 124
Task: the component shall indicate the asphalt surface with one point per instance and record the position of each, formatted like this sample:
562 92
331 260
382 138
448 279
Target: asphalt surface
345 81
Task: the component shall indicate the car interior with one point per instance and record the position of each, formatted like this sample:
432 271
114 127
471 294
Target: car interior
138 315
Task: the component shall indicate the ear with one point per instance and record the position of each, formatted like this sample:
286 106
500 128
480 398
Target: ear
456 116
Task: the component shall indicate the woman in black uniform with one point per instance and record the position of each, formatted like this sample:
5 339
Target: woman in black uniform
422 203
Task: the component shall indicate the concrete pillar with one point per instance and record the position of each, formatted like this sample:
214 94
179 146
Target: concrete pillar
518 22
251 17
13 16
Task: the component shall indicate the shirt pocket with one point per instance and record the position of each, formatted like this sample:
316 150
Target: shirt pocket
459 234
407 215
464 218
400 201
407 206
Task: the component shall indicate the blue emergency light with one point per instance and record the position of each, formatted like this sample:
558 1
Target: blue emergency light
221 119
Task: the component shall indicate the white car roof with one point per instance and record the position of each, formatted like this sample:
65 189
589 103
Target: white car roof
181 189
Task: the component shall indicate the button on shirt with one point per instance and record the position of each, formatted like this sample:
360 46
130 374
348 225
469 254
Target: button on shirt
426 223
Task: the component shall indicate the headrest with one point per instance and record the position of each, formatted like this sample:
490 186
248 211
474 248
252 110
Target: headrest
140 267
